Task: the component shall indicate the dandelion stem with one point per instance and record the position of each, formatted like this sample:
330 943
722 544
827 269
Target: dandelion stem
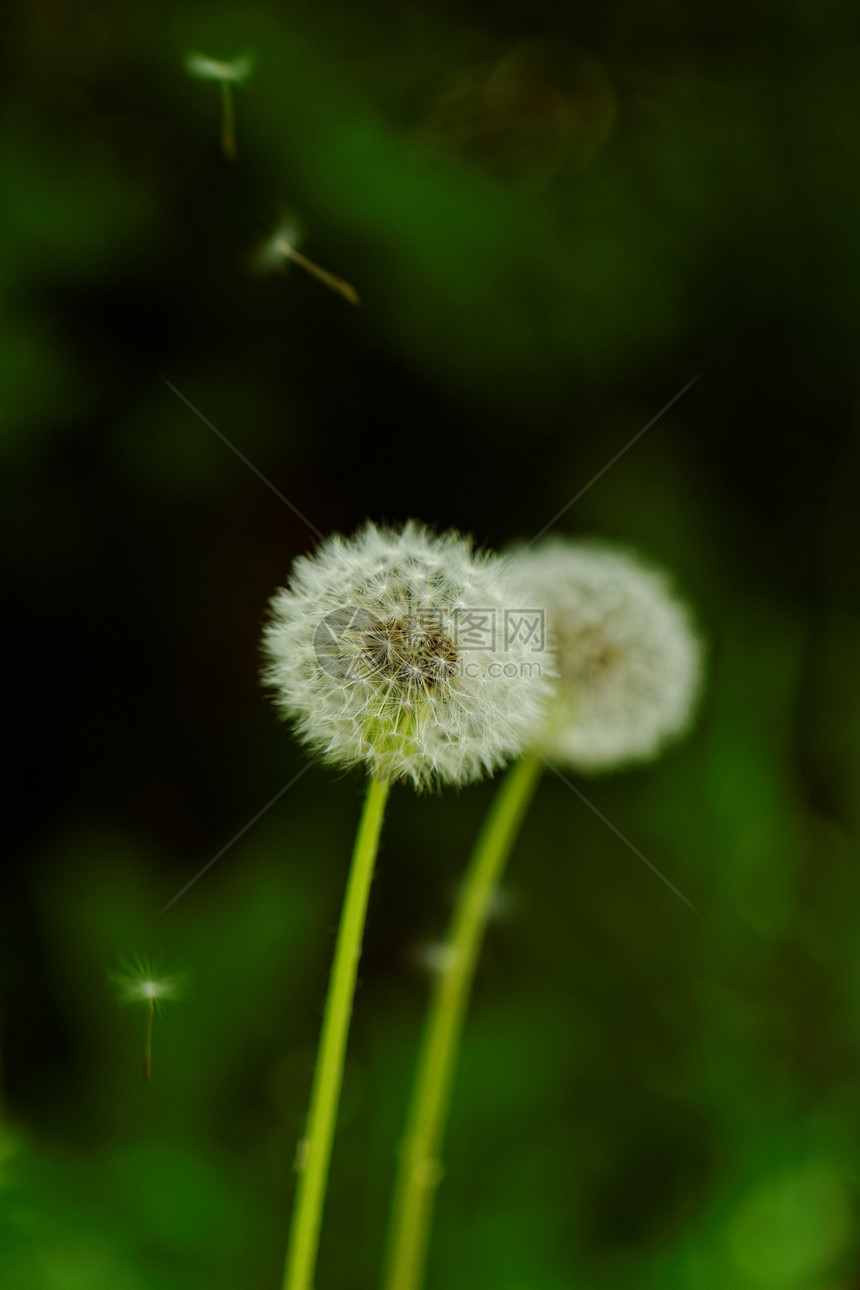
147 1052
346 289
315 1150
228 121
420 1168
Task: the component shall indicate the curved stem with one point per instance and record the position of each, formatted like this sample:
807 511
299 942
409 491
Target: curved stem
315 1149
228 121
420 1169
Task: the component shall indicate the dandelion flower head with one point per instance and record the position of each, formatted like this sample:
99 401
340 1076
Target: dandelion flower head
390 649
629 659
278 248
141 984
217 69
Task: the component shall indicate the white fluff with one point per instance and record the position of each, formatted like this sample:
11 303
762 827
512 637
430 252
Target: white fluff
368 656
216 69
628 656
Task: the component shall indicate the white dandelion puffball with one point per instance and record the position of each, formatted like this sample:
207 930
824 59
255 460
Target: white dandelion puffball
628 657
395 648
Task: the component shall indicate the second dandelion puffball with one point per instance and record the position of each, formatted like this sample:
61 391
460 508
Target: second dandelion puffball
628 655
392 648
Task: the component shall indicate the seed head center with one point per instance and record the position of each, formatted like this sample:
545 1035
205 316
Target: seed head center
412 651
587 656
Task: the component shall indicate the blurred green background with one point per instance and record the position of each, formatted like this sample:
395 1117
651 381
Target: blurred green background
555 216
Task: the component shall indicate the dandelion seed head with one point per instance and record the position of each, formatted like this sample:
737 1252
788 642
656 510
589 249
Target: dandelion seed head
629 658
275 252
216 69
366 655
139 983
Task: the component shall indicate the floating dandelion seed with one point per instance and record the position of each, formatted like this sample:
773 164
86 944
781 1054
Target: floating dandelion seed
282 248
628 656
376 652
215 69
139 984
227 74
432 957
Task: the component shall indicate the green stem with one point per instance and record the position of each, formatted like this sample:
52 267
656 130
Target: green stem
420 1168
315 1150
228 121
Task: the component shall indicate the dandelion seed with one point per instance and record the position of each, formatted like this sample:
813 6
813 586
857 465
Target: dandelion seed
370 655
138 984
216 69
434 957
282 248
628 655
227 74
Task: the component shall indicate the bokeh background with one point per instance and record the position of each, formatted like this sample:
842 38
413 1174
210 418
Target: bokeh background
555 217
